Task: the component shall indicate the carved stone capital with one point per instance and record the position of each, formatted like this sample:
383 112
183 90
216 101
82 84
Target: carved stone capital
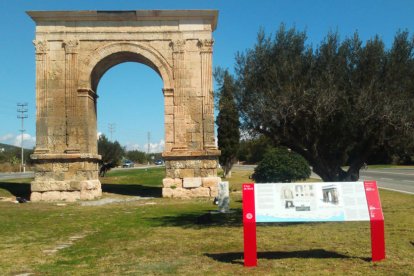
71 46
206 45
86 92
178 45
41 46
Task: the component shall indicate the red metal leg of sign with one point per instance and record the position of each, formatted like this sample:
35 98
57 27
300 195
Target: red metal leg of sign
250 245
376 220
377 240
249 226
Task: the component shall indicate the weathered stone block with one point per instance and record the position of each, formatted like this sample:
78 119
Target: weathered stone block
170 173
90 185
43 186
186 173
177 164
200 192
181 193
97 192
191 182
87 195
60 167
192 164
167 192
209 164
210 181
76 166
70 196
51 196
44 167
75 185
167 182
208 172
213 191
35 196
178 182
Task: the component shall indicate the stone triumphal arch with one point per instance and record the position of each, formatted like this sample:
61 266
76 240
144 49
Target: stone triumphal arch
73 51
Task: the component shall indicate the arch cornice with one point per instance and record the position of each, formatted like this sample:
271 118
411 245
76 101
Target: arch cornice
161 64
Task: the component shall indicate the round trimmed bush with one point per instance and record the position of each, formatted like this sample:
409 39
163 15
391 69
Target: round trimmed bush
281 165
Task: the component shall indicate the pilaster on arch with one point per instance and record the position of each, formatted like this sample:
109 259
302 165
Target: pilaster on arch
153 59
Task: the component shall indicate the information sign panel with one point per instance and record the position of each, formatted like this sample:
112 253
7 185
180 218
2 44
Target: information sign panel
311 202
305 202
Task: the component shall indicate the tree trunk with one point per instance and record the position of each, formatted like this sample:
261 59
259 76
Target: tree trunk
336 173
227 170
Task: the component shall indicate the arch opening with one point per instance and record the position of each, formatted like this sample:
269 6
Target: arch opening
137 83
114 59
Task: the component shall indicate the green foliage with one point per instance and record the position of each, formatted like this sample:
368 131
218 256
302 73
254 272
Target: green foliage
281 165
110 151
337 104
252 150
228 133
11 155
137 156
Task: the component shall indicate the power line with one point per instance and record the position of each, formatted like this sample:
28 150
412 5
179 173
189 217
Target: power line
22 109
111 128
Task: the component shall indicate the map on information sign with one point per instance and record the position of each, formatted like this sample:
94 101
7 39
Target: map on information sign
301 202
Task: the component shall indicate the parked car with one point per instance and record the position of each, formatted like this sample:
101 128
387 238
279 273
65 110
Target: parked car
159 162
127 164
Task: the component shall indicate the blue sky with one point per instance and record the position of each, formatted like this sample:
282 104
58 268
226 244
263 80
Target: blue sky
130 94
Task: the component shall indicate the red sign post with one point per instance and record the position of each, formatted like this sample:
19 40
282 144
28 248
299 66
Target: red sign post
376 220
375 215
249 223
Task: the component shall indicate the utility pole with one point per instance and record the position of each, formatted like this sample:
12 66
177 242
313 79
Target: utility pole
149 141
111 128
22 109
148 146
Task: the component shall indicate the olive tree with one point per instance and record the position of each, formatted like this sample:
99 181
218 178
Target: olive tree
335 104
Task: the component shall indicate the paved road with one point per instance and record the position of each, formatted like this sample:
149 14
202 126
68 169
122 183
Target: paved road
401 180
4 176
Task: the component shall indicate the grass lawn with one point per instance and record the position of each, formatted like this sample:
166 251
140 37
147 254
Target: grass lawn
156 236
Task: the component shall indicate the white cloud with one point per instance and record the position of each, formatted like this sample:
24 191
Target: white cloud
98 134
132 146
29 141
6 138
154 147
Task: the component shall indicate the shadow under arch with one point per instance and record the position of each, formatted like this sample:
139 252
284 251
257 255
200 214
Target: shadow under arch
132 190
17 189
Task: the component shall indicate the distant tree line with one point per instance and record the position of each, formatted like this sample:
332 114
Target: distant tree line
113 152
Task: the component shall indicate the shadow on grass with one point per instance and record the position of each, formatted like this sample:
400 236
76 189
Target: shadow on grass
201 219
204 219
132 190
237 257
17 189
